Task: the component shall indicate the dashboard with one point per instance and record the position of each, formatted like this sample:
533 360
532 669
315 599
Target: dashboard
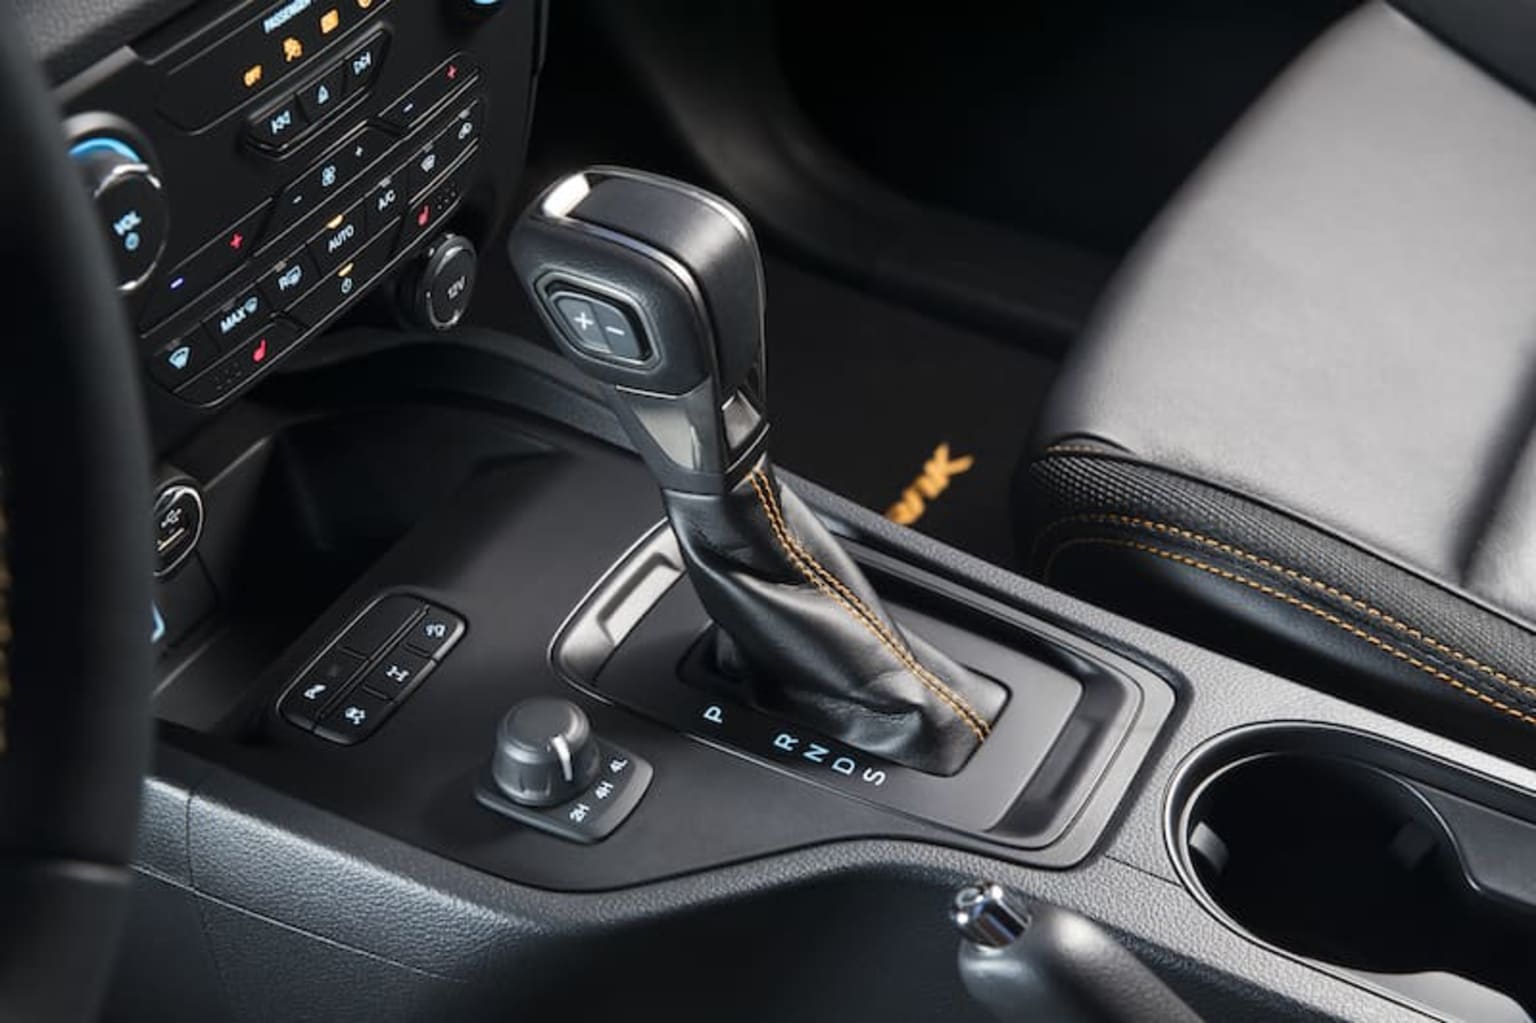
260 169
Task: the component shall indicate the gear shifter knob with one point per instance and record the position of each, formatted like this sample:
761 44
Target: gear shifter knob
656 289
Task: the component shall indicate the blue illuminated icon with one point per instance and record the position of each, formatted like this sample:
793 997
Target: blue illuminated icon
180 357
176 285
157 629
132 242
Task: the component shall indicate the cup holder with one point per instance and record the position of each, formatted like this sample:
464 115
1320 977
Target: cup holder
1398 871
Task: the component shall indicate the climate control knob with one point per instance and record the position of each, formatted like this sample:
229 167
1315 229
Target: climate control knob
135 217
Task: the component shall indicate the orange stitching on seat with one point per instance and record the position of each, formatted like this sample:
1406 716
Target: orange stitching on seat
1333 591
1325 615
1077 449
821 577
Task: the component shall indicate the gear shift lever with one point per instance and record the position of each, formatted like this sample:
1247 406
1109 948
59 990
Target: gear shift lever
655 289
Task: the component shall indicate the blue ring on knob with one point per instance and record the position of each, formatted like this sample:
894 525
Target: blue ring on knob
117 146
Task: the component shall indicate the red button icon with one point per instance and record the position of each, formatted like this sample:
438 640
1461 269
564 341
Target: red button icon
259 353
424 215
237 241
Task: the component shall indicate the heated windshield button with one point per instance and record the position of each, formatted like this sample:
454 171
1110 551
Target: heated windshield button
354 718
183 359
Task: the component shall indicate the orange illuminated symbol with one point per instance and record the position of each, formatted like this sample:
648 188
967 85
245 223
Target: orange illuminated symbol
330 21
292 49
252 76
365 4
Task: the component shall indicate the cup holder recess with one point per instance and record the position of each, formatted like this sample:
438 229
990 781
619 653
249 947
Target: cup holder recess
1368 859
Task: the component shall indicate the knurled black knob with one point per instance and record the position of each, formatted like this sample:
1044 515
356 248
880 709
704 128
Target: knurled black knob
545 752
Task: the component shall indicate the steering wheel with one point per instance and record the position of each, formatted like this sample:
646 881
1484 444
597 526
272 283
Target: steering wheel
75 652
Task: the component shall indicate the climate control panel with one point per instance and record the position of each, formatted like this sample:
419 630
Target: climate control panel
259 168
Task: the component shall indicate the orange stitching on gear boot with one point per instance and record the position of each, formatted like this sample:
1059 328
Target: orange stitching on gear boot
886 632
825 581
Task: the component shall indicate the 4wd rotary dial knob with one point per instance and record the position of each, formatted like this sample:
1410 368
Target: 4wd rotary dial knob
545 752
135 217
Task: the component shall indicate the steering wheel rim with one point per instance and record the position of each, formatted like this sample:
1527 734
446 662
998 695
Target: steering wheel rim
75 654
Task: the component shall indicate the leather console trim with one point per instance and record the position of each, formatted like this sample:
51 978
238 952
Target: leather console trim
834 589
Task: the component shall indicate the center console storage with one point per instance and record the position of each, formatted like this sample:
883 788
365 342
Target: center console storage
1408 873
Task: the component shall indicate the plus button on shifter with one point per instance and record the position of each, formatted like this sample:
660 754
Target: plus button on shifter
655 289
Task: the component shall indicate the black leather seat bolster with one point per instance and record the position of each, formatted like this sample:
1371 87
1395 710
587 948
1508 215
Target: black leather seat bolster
1301 429
1233 574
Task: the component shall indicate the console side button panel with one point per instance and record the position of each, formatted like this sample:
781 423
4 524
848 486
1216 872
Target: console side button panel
361 674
